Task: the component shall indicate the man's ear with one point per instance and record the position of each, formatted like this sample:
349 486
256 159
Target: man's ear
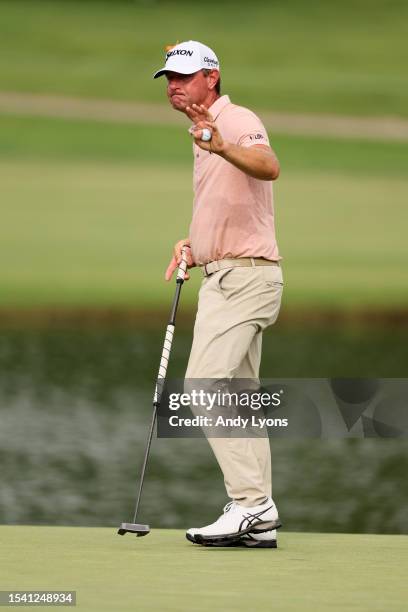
214 76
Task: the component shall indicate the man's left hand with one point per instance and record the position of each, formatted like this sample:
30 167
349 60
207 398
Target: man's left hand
202 118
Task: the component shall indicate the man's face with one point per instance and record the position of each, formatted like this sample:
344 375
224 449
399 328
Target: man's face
187 89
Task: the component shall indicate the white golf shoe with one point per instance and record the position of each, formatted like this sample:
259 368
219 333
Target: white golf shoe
237 521
266 539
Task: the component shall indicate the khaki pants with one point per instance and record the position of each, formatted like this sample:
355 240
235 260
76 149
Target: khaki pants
234 307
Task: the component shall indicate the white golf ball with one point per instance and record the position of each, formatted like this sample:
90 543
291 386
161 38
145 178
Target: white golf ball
206 135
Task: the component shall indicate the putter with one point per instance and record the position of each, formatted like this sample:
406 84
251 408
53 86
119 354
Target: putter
137 528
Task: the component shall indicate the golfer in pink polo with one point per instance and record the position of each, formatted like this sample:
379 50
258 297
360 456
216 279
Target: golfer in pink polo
232 239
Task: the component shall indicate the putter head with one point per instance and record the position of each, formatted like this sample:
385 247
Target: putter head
139 530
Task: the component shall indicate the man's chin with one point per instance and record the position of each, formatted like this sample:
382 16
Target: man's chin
178 103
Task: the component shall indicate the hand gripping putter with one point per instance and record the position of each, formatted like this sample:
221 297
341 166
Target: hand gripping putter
142 530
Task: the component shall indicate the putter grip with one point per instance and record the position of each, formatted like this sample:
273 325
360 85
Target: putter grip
182 269
168 341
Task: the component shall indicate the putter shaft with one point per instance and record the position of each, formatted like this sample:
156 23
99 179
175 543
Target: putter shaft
168 340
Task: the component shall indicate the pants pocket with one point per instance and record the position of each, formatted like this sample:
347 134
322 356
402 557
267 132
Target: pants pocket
272 276
227 282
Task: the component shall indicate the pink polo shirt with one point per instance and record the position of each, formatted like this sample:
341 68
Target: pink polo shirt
232 212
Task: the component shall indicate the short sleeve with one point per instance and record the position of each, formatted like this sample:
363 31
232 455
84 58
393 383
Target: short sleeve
251 130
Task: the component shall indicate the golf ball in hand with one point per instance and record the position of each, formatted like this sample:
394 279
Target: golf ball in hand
206 135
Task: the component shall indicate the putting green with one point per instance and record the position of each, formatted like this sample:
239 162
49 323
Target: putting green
163 571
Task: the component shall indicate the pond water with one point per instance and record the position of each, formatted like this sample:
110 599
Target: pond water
75 406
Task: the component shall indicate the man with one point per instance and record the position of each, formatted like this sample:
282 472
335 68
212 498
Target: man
232 239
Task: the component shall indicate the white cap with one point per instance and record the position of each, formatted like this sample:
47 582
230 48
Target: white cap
188 57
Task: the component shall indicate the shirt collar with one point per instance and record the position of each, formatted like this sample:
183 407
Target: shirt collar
219 105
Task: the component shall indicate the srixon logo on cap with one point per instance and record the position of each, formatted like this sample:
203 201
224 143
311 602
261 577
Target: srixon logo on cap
179 52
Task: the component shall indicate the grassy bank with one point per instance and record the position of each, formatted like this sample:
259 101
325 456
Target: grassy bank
90 213
291 56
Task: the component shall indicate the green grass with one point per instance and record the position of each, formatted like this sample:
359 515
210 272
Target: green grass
75 233
347 58
90 212
50 139
163 571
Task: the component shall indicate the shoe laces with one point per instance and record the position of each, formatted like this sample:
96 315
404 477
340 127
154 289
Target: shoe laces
228 506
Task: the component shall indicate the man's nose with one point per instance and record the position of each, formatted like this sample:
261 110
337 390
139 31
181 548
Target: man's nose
173 84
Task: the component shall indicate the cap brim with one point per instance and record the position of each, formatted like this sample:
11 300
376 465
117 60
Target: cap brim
160 73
